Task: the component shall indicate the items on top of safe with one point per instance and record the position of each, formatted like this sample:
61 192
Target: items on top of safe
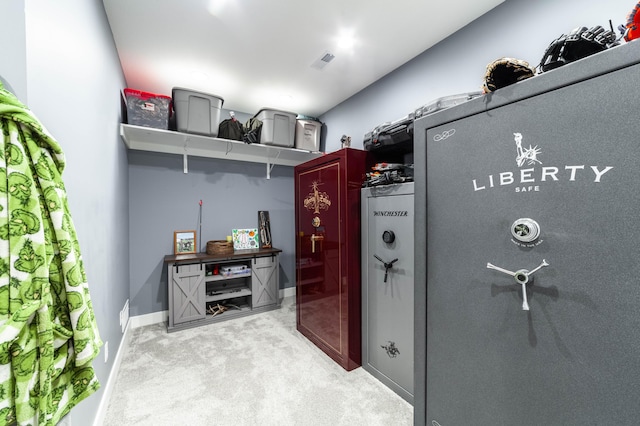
397 136
504 72
631 29
189 111
579 43
388 173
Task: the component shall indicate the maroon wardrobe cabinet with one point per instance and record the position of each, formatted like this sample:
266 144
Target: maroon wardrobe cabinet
327 221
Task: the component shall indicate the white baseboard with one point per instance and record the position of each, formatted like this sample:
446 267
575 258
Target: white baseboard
287 292
108 389
148 319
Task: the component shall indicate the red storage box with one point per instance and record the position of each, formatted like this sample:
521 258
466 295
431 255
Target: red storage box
147 109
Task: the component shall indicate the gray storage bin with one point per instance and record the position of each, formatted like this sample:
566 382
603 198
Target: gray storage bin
278 127
196 112
308 134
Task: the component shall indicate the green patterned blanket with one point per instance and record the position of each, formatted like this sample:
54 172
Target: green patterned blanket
48 332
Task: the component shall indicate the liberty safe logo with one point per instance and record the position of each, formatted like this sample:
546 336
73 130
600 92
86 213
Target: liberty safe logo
529 178
317 200
526 155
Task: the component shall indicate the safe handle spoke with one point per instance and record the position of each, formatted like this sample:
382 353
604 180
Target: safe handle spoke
522 277
387 265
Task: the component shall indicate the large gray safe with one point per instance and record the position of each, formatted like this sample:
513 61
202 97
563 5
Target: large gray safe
387 285
528 251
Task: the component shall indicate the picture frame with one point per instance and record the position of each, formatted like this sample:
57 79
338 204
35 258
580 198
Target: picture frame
184 242
244 239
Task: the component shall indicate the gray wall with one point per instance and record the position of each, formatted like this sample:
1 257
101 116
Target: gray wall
13 45
73 78
517 28
164 199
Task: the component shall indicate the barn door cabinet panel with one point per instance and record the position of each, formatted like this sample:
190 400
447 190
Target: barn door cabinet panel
264 282
186 293
209 288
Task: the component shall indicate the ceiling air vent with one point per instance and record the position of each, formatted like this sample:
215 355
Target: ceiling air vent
322 62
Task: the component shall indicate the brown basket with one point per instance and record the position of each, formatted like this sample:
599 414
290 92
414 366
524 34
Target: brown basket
219 247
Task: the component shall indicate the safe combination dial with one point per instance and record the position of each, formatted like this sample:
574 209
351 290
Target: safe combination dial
525 230
388 237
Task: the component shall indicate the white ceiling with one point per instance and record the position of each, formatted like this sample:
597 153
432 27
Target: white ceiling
258 53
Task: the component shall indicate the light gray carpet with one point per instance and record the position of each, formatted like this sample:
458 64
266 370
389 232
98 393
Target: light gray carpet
255 370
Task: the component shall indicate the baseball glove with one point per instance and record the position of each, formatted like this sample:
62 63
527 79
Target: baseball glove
504 72
631 29
578 44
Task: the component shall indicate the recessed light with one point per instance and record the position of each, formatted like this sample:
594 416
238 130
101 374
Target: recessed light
346 39
217 6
